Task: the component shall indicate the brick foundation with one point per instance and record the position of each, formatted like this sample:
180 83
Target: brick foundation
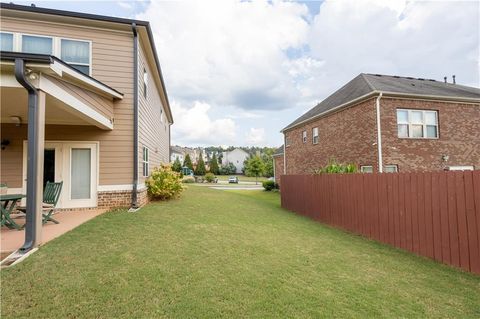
116 199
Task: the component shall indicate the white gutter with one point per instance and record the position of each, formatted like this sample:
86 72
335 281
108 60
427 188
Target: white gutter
379 134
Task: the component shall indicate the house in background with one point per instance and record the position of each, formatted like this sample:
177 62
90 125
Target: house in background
83 102
236 157
388 124
177 152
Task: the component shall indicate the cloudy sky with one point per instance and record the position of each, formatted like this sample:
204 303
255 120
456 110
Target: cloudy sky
238 72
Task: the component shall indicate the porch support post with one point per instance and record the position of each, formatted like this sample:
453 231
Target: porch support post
36 135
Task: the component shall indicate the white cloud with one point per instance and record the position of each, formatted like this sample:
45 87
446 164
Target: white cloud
255 137
194 126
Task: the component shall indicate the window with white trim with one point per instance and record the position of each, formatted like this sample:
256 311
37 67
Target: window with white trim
417 123
6 41
366 169
37 44
76 53
145 162
315 135
304 137
391 168
287 141
145 83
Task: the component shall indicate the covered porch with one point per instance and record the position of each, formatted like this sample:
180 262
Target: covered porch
43 101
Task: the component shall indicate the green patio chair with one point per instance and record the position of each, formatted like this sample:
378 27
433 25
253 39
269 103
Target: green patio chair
51 195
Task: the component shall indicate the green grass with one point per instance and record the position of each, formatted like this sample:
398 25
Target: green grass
241 178
228 254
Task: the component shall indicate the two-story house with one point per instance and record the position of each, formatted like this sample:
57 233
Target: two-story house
387 124
237 157
83 101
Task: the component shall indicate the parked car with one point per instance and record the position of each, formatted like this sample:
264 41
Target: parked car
233 179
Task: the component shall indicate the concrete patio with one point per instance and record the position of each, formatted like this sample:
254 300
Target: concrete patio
12 239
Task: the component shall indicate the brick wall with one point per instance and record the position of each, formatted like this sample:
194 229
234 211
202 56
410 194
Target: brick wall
278 162
115 199
350 136
459 136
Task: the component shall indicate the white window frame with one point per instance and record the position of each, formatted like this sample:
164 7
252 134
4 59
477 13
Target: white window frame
58 52
14 40
287 141
56 46
424 124
461 168
315 137
394 166
20 41
145 162
304 137
145 82
364 167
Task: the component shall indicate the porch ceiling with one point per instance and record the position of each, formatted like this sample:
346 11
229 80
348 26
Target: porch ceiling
14 103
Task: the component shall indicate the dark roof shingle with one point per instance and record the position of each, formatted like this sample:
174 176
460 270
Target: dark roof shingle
364 84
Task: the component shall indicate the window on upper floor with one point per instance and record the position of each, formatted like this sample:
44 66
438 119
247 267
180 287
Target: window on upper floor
417 123
37 44
304 137
287 141
6 41
145 83
76 53
315 135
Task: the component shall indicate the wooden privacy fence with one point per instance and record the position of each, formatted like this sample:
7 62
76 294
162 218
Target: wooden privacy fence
434 214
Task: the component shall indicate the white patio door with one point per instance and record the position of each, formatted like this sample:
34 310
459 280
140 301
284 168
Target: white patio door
76 164
81 180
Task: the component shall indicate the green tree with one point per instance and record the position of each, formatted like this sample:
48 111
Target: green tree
267 158
187 162
200 169
255 167
214 165
177 166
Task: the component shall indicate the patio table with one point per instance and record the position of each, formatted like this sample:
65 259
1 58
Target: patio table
9 203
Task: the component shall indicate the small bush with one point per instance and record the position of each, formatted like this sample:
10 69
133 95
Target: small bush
337 168
188 179
209 177
269 185
164 183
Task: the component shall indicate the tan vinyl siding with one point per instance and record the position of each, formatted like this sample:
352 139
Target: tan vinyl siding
152 132
112 64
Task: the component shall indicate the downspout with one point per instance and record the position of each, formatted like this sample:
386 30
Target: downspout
32 157
379 135
284 154
135 118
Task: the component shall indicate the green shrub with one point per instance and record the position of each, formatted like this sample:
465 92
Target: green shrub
334 167
188 179
209 177
269 185
164 183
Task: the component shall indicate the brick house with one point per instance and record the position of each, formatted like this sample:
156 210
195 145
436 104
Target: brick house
405 124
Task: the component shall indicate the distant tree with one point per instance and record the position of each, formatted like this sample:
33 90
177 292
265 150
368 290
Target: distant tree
220 158
187 162
214 165
228 169
177 166
200 169
267 158
255 167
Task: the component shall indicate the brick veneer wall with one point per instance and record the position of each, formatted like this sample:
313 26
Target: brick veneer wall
459 136
350 136
114 199
278 162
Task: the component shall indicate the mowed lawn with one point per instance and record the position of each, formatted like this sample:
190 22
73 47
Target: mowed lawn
228 254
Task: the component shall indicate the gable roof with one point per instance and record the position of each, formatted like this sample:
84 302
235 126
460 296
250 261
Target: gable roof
366 85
